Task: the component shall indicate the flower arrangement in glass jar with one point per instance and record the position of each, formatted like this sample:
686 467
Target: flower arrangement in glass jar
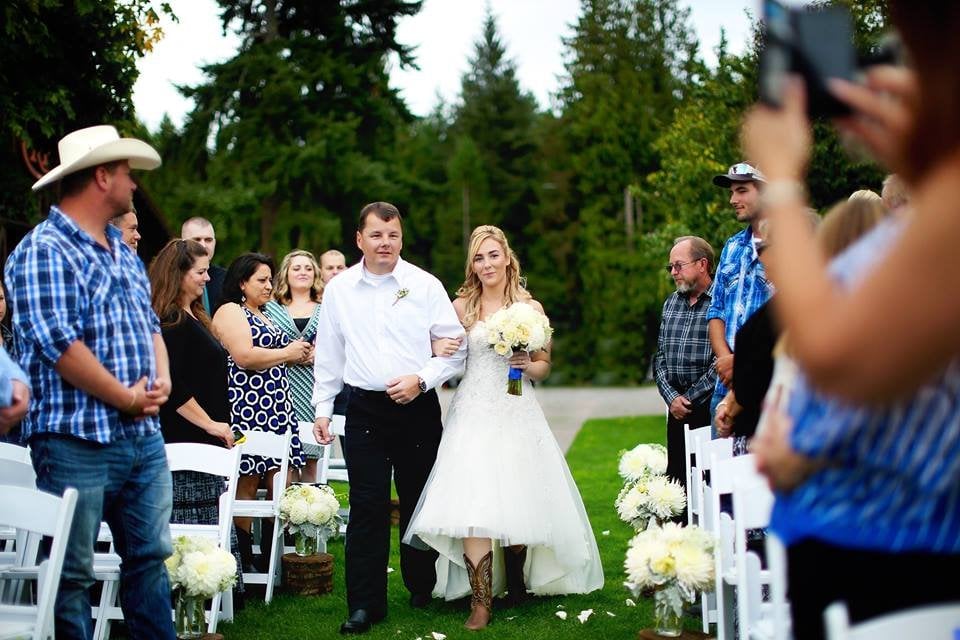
518 327
310 512
199 569
677 562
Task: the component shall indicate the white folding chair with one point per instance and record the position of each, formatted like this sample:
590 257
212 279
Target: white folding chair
269 445
690 439
707 451
10 451
725 472
934 622
181 456
777 563
40 514
328 468
752 504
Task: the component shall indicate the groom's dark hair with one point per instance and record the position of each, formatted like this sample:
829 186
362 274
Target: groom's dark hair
383 210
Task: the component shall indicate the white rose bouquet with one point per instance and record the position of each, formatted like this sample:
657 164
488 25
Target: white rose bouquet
309 510
642 461
200 567
651 498
519 327
675 561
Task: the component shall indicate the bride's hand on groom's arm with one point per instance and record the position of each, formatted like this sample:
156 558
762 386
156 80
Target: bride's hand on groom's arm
445 347
321 431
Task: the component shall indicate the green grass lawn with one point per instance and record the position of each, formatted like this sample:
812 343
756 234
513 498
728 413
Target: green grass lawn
593 462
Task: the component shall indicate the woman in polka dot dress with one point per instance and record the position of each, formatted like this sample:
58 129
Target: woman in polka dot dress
258 391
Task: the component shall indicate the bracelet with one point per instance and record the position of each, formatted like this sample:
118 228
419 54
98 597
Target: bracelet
781 192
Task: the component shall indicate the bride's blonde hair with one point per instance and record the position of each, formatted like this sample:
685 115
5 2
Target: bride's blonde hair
471 288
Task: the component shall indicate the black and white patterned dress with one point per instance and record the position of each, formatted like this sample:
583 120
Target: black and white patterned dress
260 400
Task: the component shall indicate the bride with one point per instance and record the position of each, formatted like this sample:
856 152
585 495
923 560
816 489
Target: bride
500 480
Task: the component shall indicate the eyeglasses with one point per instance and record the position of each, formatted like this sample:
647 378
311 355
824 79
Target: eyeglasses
743 169
678 266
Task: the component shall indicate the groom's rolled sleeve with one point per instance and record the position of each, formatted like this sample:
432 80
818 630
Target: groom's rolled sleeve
444 323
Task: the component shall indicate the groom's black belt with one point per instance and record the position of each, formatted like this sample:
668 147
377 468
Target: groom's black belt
367 393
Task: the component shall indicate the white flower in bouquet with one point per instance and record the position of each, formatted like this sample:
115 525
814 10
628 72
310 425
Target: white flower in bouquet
309 509
643 460
200 567
652 497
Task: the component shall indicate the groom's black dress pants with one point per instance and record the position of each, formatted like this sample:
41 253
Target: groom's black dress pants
381 436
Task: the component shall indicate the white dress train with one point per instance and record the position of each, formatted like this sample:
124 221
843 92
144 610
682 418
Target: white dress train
500 474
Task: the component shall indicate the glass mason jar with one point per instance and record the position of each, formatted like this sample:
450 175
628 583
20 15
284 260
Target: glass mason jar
668 612
305 545
189 620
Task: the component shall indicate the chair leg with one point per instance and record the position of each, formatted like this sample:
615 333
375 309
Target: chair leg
275 549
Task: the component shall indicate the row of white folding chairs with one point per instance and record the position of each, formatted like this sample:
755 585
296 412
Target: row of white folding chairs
713 472
180 457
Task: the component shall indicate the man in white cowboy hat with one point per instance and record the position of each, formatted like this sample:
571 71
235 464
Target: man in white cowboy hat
92 348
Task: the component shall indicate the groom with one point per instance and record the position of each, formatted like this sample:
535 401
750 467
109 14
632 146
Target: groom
374 333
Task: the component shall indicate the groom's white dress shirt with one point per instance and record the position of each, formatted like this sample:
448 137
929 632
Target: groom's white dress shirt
374 328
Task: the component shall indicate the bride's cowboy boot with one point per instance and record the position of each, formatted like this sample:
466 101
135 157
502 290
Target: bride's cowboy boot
481 582
513 560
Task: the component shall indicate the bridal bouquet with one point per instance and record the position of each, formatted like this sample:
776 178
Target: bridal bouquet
310 511
677 562
642 461
650 500
519 327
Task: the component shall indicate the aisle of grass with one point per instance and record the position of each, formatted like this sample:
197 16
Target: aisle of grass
593 462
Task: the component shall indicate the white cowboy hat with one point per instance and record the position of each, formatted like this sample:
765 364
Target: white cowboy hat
98 145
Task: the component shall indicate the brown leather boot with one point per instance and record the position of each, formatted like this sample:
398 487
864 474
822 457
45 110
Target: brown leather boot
513 560
481 582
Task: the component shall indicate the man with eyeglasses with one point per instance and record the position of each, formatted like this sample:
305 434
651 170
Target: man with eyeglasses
683 366
741 284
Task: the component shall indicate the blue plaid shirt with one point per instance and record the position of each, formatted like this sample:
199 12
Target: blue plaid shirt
64 287
739 289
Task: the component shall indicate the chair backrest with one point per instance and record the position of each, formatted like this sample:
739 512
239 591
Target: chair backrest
271 445
708 452
934 622
691 438
10 451
725 471
42 514
208 458
328 468
18 473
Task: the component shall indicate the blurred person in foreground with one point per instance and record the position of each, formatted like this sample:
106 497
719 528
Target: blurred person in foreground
866 457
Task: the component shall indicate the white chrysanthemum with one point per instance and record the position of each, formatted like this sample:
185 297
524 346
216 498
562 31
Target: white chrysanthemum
631 501
299 512
666 497
642 460
694 567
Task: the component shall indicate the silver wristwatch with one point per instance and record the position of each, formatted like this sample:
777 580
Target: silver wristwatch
422 384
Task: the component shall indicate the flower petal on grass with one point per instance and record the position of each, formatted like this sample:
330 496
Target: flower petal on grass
605 532
438 636
631 603
611 614
389 569
585 615
561 614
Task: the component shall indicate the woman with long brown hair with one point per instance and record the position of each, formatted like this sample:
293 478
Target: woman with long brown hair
197 410
500 480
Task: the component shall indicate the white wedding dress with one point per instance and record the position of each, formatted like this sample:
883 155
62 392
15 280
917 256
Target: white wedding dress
500 474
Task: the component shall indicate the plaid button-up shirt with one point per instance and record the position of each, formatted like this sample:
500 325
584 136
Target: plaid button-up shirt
64 287
684 360
740 288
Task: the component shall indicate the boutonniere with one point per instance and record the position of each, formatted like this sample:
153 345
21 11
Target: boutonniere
401 293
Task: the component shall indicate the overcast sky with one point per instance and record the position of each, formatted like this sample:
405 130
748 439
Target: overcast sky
444 34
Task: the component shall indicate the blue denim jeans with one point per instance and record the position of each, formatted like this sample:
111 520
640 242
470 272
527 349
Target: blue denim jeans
127 484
